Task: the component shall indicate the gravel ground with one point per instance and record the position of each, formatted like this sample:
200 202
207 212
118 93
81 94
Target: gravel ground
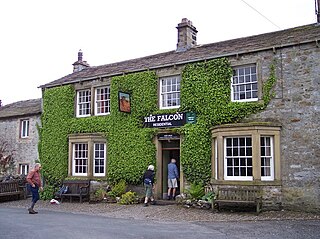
161 212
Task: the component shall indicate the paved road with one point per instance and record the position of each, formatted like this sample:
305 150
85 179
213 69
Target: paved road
16 223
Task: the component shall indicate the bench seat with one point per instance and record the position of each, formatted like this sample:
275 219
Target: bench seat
11 188
238 195
76 188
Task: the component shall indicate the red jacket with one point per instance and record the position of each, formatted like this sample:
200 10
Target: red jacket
34 177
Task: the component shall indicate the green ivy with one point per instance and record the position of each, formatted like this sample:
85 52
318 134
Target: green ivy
205 90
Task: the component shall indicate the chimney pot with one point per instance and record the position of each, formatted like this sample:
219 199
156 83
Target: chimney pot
80 55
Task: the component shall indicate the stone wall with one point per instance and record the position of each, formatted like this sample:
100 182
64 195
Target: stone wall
296 105
25 150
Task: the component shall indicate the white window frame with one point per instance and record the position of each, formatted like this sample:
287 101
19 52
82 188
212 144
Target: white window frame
105 102
249 79
82 158
89 139
99 158
81 103
237 178
24 128
175 89
257 131
23 169
270 156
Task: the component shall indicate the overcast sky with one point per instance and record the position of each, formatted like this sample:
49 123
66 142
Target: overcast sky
40 39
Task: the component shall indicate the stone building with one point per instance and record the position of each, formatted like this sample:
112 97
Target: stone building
18 130
253 118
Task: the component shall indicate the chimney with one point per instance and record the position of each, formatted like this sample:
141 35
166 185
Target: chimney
79 65
0 103
187 35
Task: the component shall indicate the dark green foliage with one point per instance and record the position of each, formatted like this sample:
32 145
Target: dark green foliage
48 192
210 196
129 198
196 191
118 189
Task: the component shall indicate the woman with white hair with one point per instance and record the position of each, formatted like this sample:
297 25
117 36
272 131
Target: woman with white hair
148 181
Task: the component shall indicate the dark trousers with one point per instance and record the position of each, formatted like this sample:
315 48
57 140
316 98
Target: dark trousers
35 193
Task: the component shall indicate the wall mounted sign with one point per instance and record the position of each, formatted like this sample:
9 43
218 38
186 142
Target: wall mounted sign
124 102
168 120
167 136
191 118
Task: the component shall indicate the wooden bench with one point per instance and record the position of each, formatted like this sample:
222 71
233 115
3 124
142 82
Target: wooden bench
76 188
11 188
238 195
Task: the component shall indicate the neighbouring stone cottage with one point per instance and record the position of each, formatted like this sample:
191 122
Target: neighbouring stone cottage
19 133
238 112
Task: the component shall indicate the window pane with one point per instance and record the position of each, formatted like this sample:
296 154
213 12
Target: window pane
238 164
229 152
102 100
99 160
235 152
84 102
248 151
235 142
170 92
242 75
80 158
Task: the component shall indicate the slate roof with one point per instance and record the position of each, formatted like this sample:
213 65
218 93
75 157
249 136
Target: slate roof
272 40
21 109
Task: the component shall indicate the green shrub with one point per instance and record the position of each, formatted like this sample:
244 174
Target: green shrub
129 198
48 192
118 189
196 191
100 194
209 197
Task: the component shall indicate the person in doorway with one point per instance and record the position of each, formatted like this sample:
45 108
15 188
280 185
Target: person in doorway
148 181
34 184
173 176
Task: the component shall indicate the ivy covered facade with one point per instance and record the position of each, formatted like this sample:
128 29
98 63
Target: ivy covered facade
110 122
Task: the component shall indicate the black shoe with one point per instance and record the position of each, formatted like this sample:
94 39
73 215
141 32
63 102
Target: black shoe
145 205
168 197
31 211
153 202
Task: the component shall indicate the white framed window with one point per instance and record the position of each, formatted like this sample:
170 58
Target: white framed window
99 159
87 155
80 159
23 169
83 103
267 161
24 128
246 152
244 83
238 158
102 103
170 92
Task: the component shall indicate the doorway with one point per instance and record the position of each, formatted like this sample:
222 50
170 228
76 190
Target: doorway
170 149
